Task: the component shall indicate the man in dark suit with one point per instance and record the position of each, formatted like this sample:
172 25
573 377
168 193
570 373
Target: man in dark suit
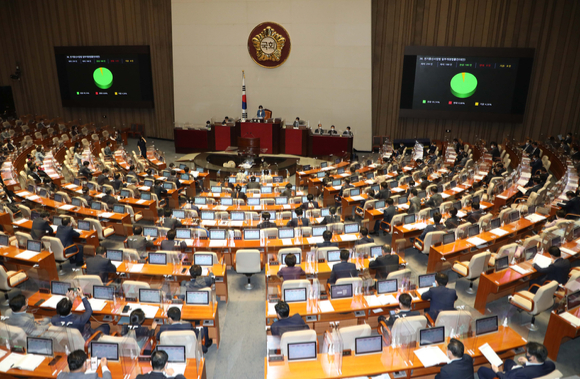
475 214
158 189
432 147
453 221
100 264
327 236
345 186
535 187
460 365
310 203
266 221
78 364
319 130
65 318
385 264
558 270
296 123
533 149
175 323
85 171
103 178
384 192
525 146
332 218
347 132
533 365
388 214
159 359
285 323
494 151
404 310
536 164
253 184
169 221
332 131
299 220
441 297
435 200
109 199
572 205
287 191
65 233
138 242
414 202
364 237
41 227
238 194
117 182
435 227
344 269
169 243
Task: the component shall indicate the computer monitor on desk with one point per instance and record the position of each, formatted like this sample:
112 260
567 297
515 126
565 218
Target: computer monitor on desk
368 345
203 259
197 297
157 259
59 288
103 292
253 201
293 295
341 291
147 295
486 325
39 346
432 336
427 280
150 232
333 256
573 300
4 241
302 351
237 216
284 255
175 354
502 263
448 238
217 234
105 350
285 233
387 286
115 255
183 234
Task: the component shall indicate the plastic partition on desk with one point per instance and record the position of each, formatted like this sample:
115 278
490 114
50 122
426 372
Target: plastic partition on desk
332 346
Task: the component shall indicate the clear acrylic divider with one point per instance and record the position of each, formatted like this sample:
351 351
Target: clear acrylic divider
129 351
198 352
404 337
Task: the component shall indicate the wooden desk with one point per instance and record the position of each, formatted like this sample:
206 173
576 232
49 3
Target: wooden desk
558 330
86 238
504 342
349 204
193 140
302 175
45 260
329 145
188 312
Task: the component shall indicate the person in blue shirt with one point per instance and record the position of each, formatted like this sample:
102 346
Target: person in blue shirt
261 113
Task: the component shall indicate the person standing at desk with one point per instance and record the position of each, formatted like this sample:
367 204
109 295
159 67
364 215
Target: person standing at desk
100 265
78 364
441 297
296 123
159 359
385 264
290 272
332 131
41 227
285 323
460 365
319 130
533 365
261 113
344 269
347 132
142 145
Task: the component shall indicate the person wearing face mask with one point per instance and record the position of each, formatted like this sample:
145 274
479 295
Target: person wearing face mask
533 365
332 131
261 113
319 130
238 194
494 151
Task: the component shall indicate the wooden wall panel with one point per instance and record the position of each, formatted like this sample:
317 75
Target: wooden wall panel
549 26
29 29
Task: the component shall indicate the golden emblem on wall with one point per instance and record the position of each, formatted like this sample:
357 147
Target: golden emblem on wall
269 44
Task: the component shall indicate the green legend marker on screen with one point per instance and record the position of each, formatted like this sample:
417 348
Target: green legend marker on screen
463 85
103 78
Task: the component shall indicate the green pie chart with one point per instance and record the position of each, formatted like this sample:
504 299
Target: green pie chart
103 78
463 85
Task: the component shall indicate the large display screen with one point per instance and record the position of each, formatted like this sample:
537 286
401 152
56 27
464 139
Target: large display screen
105 76
466 83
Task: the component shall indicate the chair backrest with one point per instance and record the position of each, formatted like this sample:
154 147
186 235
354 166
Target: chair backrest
484 220
4 285
270 232
22 238
407 328
306 230
454 321
323 252
336 227
24 210
96 225
172 256
400 274
350 333
248 261
130 255
432 238
131 288
556 374
461 230
288 250
356 283
365 248
478 264
295 337
12 334
185 338
445 206
214 255
54 244
531 241
298 283
65 339
508 250
86 282
544 297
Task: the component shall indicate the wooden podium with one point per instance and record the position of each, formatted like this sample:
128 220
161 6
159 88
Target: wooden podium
249 146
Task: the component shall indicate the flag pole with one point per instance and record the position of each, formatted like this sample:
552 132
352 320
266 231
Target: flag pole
244 103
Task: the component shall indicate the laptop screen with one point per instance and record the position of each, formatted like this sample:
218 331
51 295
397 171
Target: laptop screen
178 213
325 212
57 220
341 291
103 292
197 297
216 189
33 246
306 167
157 258
323 164
96 206
4 241
368 345
207 215
203 259
281 200
318 230
502 263
402 200
150 232
486 325
40 346
184 176
409 219
125 193
175 354
448 238
145 196
333 256
320 175
514 216
227 201
427 280
277 179
76 202
237 216
119 209
336 182
556 241
292 295
148 183
105 350
473 230
200 200
232 179
387 286
253 201
432 336
217 234
284 255
149 296
84 225
59 288
183 234
115 255
351 228
301 351
286 233
58 198
266 189
495 223
380 204
354 192
457 205
376 251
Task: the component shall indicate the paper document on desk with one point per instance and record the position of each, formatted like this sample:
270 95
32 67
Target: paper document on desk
178 368
287 241
287 206
137 267
52 302
141 201
99 195
96 305
388 299
344 174
431 356
271 308
397 189
144 188
476 241
325 306
542 261
106 215
373 301
21 221
218 243
490 355
421 291
535 218
444 195
28 362
71 186
369 181
568 251
27 254
461 214
315 240
522 190
337 187
220 208
33 197
575 321
477 177
357 198
349 237
319 219
403 206
526 175
419 226
520 269
236 223
66 207
456 189
522 182
499 232
502 197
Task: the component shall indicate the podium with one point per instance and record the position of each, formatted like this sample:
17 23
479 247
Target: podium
249 146
268 133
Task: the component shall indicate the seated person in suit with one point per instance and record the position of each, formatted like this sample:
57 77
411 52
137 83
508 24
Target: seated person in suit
169 221
296 123
404 310
344 269
86 195
558 270
197 280
347 132
332 218
572 205
460 365
175 323
65 318
41 227
109 199
535 186
345 186
261 113
138 242
435 227
332 131
117 182
310 204
100 264
388 214
299 220
136 320
453 221
319 130
291 272
533 365
414 202
384 192
107 150
385 264
169 243
226 120
103 178
266 221
288 191
441 297
494 151
253 184
364 237
78 364
85 171
158 189
66 234
435 200
327 236
159 359
17 316
475 213
285 323
238 194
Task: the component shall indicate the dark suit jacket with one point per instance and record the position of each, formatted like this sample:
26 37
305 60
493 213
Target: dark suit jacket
266 225
452 222
571 206
327 244
99 265
239 195
74 320
174 327
442 299
288 324
474 216
343 270
294 222
557 271
528 372
253 185
171 223
364 240
158 375
434 201
495 153
384 265
414 205
109 200
429 229
460 369
536 188
319 131
117 184
159 190
401 314
384 193
536 165
330 219
168 245
85 171
66 234
307 204
40 228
